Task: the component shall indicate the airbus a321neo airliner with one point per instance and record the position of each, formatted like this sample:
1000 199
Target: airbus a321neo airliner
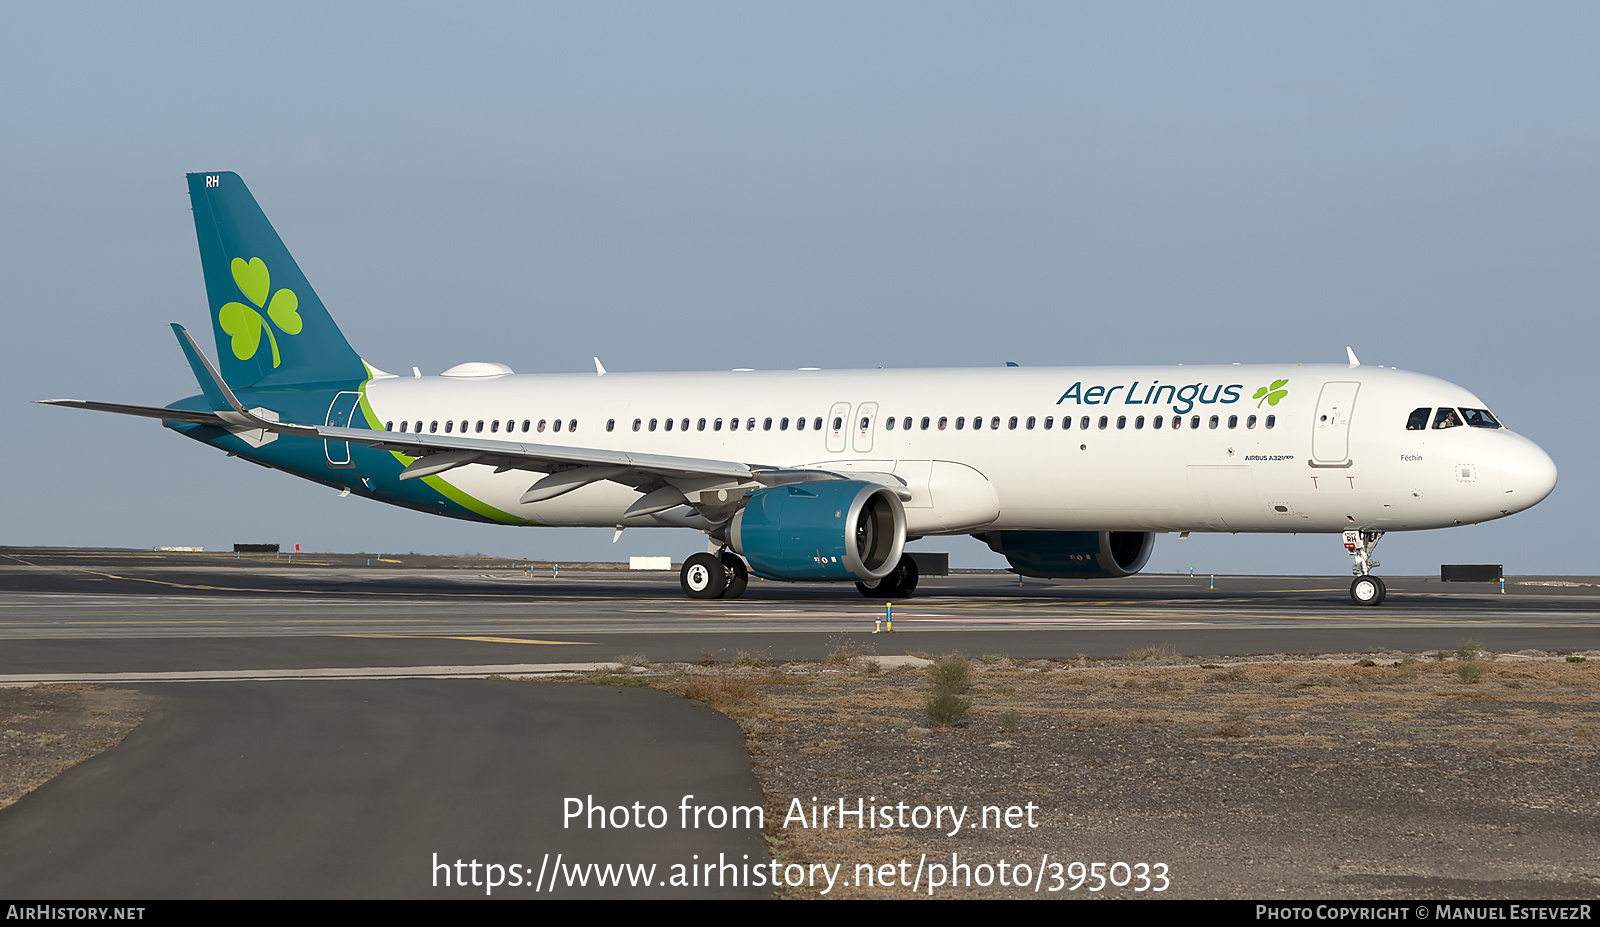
817 476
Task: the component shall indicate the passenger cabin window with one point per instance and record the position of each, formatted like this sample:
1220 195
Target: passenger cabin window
1446 418
1138 422
479 426
888 423
542 423
816 423
448 426
637 423
1480 418
943 421
700 426
389 426
494 426
1419 419
556 425
799 424
1031 422
684 425
1157 421
611 424
572 425
526 425
1084 423
1233 421
961 422
1250 422
1272 420
907 423
1122 422
1215 421
994 423
925 423
1050 421
1104 420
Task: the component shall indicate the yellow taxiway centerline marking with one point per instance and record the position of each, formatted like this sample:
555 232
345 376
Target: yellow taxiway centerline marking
490 640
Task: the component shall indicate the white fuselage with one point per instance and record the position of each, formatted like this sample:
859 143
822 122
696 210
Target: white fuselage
1335 454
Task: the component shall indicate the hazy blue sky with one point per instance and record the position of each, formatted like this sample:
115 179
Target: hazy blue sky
705 186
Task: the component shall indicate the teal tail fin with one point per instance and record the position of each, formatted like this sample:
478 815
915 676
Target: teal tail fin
271 327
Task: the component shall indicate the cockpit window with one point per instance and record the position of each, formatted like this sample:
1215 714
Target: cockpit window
1418 420
1480 418
1446 418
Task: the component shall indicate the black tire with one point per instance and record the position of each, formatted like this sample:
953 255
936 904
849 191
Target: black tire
738 575
1367 590
703 577
899 584
905 578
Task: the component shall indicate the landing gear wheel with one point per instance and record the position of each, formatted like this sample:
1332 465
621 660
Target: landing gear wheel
738 575
1367 590
703 577
899 584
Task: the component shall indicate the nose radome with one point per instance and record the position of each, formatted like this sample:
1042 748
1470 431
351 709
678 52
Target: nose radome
1527 474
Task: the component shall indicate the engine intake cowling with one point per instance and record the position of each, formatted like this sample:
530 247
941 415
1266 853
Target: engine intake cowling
822 531
1072 554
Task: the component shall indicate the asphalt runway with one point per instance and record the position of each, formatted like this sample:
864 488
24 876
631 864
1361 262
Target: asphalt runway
360 790
69 611
307 741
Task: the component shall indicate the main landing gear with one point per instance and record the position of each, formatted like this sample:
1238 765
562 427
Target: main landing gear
899 584
713 576
1366 589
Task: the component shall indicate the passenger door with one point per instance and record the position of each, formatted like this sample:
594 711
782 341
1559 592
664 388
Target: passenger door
1330 427
339 413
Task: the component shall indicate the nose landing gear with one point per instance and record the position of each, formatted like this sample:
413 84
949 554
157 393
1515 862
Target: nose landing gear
1366 589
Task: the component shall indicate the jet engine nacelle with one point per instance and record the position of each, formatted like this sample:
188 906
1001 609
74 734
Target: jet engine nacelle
1072 554
830 530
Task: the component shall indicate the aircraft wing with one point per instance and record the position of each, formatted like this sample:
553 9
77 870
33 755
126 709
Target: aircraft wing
715 487
667 481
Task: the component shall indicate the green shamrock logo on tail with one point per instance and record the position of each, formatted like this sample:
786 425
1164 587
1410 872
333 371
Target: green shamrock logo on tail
245 323
1271 394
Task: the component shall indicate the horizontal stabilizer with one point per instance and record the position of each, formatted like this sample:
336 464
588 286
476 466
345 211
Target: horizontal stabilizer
169 415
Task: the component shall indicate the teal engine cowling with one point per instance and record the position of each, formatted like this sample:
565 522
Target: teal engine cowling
834 530
1072 554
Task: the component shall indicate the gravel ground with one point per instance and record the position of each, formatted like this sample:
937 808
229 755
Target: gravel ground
44 730
1277 778
1354 776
